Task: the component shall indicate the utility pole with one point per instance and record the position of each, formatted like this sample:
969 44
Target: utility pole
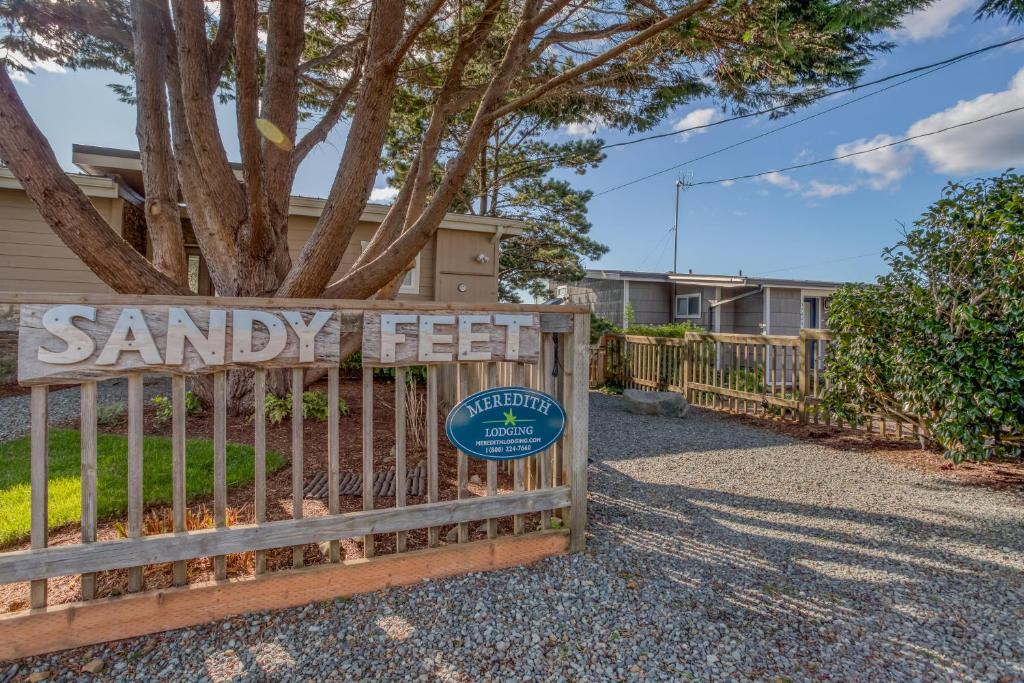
675 244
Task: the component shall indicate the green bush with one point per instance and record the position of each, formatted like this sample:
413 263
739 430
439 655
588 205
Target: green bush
165 408
939 341
675 330
314 407
110 414
600 326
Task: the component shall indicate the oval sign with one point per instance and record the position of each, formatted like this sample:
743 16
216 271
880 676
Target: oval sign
505 423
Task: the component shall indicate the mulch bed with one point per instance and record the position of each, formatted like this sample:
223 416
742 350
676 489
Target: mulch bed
1003 475
279 494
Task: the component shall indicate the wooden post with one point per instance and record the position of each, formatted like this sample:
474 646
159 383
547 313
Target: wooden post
259 392
298 464
178 490
519 467
803 364
492 466
333 456
400 474
431 418
368 549
462 460
687 354
87 403
135 502
579 409
220 465
547 385
39 483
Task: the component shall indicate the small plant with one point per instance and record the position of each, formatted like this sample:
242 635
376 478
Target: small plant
110 414
314 407
165 407
277 408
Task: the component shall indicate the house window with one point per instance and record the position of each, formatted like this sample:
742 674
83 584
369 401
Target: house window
688 306
411 283
562 291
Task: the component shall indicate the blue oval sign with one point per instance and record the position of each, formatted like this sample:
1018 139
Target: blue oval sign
505 423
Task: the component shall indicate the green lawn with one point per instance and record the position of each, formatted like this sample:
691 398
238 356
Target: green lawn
112 476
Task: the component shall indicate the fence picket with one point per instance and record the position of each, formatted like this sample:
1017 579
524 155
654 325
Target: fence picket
259 398
333 456
178 490
368 543
492 466
462 460
135 502
431 418
87 426
400 482
39 482
220 465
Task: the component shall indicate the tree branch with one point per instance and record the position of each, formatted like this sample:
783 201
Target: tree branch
65 207
80 17
330 117
220 48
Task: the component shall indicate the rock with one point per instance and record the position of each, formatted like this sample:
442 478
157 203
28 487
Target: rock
666 403
94 666
452 535
37 676
475 479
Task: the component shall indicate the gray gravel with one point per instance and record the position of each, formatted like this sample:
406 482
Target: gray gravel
718 552
15 418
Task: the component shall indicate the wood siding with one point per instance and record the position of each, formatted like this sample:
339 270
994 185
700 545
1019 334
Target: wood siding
33 258
785 311
603 296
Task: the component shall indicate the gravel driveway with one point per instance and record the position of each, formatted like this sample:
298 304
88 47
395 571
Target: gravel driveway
16 419
718 552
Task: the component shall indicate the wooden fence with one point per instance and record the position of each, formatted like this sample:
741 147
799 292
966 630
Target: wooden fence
769 375
550 483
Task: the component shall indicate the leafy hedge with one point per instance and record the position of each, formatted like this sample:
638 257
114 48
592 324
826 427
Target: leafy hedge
940 339
599 326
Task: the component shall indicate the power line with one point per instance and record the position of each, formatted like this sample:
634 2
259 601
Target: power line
656 249
774 130
815 98
817 263
857 153
797 100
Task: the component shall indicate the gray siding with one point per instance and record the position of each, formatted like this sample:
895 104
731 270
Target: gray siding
603 296
706 295
650 301
748 314
785 311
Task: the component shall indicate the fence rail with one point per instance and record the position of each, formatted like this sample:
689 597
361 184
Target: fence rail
550 483
767 375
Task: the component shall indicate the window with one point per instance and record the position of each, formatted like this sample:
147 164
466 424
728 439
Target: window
688 306
562 291
411 284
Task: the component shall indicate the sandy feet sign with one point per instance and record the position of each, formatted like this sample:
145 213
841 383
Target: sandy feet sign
76 342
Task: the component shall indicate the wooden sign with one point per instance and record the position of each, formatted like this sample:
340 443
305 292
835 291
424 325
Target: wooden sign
76 342
422 338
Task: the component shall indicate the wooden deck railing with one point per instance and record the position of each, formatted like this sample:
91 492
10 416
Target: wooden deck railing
771 375
551 482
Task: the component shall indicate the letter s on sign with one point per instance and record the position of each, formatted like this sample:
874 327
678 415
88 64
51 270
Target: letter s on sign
59 321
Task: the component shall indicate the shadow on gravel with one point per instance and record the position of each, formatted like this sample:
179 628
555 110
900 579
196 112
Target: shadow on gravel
873 585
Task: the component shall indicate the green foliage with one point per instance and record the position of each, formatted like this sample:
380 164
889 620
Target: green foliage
314 407
940 339
110 414
600 326
165 408
674 330
65 486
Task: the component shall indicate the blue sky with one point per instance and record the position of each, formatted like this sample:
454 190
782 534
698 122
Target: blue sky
826 222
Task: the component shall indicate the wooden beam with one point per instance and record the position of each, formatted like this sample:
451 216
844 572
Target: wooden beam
66 560
33 632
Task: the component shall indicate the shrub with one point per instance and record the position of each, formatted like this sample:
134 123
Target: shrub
666 330
110 414
600 326
165 407
314 407
940 340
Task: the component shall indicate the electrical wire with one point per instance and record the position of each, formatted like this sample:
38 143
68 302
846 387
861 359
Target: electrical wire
773 130
817 263
840 157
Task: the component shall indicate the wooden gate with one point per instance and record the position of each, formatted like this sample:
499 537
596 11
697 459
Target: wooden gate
85 339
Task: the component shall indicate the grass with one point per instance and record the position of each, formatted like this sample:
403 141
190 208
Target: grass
65 490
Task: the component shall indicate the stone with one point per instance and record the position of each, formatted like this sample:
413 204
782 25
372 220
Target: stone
94 666
475 479
452 535
665 403
37 676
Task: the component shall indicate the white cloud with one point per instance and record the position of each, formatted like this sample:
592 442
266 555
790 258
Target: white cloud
932 21
383 194
885 166
584 129
697 117
47 65
822 190
780 180
991 145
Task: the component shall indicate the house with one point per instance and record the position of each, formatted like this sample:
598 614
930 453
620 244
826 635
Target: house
459 264
717 303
